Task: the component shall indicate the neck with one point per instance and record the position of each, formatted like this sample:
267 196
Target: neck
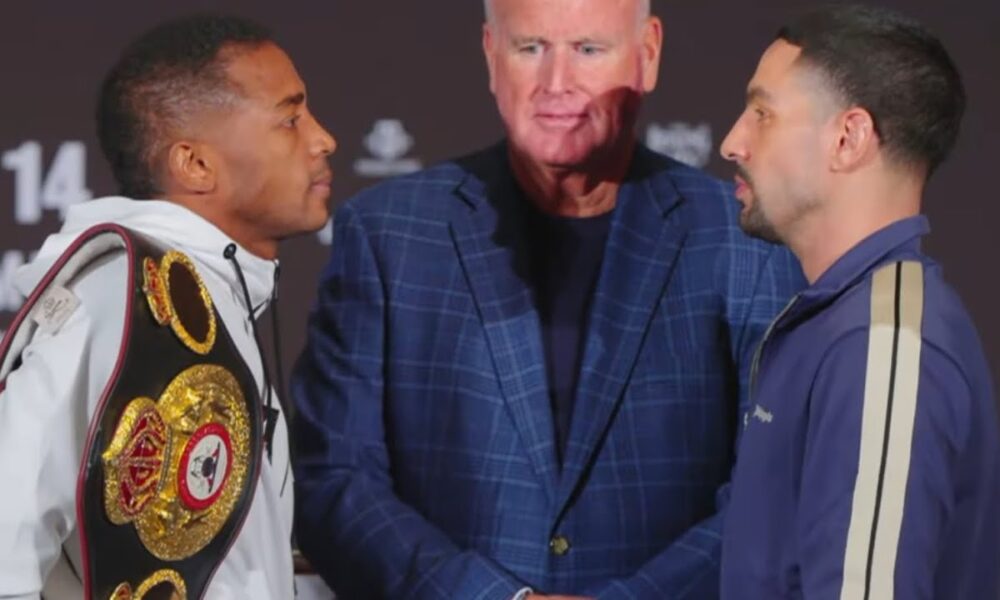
584 191
853 214
205 207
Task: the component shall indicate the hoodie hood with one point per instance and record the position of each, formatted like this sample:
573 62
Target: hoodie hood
168 223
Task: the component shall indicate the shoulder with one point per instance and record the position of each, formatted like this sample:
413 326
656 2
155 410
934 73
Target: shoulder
95 276
398 192
710 214
75 350
947 328
708 205
907 331
430 193
906 305
706 195
694 184
911 295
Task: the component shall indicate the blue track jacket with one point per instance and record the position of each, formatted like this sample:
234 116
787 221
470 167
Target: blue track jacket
868 467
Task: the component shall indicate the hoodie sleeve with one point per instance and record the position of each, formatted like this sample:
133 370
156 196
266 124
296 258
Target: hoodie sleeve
45 409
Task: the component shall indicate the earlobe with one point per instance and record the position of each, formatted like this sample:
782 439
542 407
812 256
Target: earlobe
190 168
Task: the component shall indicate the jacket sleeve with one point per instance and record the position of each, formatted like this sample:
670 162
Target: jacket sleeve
358 535
44 414
758 285
876 477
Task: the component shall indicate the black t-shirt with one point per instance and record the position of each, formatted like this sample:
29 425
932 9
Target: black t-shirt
565 259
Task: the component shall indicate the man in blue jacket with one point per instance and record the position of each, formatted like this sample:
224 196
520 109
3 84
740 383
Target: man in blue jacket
870 463
525 368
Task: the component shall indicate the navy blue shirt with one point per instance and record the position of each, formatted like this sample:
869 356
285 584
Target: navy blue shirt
565 259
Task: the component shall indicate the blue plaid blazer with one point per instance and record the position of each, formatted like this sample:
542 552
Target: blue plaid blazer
426 463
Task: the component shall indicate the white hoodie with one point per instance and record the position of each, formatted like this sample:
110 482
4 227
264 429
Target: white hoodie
49 399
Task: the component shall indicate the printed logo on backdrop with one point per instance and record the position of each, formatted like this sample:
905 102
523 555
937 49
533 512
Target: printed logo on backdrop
690 144
388 144
36 191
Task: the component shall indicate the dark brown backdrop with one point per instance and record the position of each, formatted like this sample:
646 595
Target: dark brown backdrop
412 72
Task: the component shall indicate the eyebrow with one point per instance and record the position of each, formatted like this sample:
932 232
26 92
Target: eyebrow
292 100
518 40
756 92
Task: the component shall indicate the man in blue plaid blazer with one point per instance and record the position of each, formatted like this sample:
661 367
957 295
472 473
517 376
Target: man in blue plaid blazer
458 435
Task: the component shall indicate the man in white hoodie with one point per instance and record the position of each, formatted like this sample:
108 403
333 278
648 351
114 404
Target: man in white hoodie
205 123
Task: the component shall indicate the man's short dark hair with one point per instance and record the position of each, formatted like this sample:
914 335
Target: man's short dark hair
168 75
891 66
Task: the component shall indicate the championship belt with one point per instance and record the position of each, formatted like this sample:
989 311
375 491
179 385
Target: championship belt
173 451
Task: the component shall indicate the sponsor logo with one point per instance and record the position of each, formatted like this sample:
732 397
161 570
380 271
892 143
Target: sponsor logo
388 143
762 415
690 144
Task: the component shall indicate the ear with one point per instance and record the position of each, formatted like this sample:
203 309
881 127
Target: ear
191 167
489 50
857 142
652 44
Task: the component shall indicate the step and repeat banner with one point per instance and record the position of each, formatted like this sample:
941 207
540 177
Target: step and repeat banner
402 85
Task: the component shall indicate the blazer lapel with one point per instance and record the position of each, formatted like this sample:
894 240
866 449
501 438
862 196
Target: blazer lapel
643 244
491 249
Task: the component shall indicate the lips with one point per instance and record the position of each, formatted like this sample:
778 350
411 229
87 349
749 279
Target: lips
323 179
742 181
560 120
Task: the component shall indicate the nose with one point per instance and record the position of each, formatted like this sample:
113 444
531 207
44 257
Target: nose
557 72
733 147
323 142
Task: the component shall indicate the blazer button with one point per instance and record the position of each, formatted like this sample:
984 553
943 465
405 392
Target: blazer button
559 545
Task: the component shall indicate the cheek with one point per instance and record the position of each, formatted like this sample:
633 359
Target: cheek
778 150
267 172
618 106
242 171
806 158
602 75
299 168
614 92
792 170
512 88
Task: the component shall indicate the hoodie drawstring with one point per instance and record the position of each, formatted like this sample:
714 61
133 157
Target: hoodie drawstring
270 413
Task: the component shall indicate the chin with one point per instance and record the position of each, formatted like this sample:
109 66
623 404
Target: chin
564 152
314 216
317 222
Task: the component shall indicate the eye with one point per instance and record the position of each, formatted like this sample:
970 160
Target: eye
291 122
590 49
529 48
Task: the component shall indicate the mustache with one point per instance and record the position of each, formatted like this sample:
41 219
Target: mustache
324 174
742 173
